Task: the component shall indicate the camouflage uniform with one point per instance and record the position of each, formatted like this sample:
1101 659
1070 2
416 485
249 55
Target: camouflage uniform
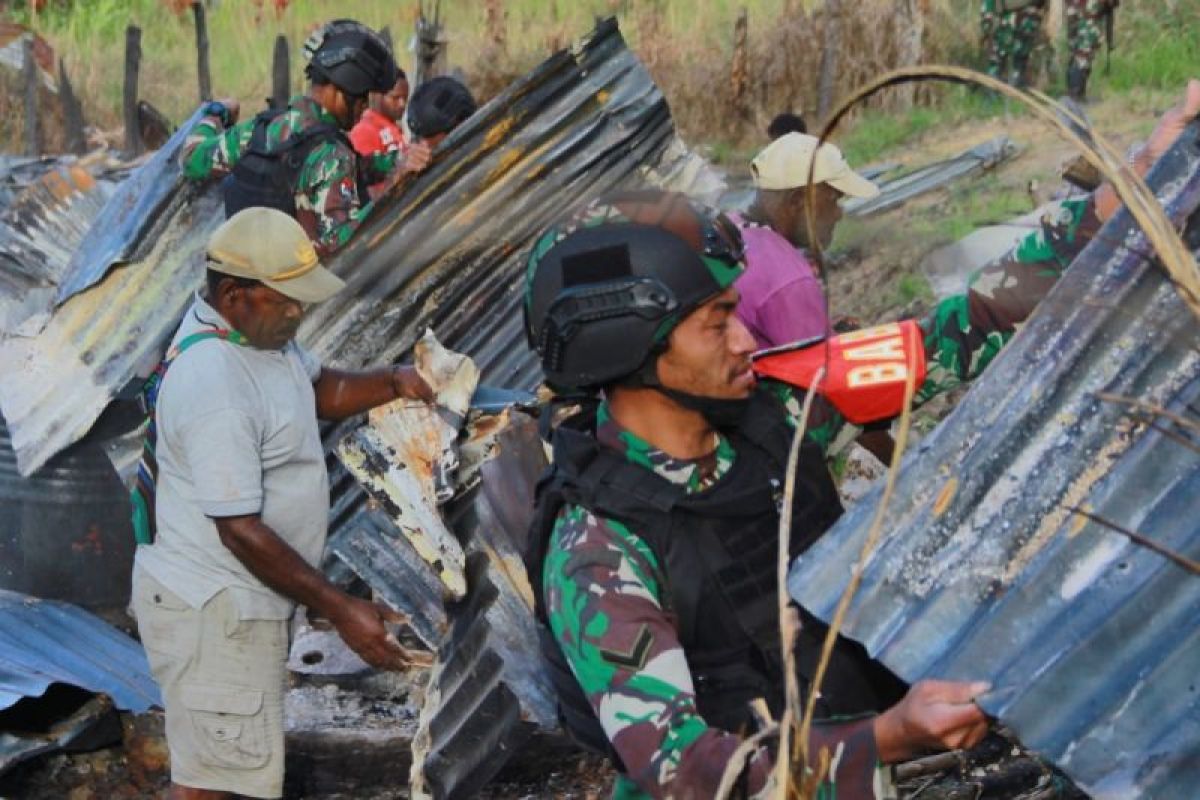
1009 36
606 594
1085 23
1085 29
328 204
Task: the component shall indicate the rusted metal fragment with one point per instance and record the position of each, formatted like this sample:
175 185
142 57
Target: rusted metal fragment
83 723
398 486
896 192
39 233
1090 641
445 251
102 340
488 692
422 436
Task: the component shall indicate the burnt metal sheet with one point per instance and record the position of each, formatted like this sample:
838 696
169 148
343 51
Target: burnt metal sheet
124 231
1090 641
42 227
488 693
57 383
46 641
371 545
898 191
445 251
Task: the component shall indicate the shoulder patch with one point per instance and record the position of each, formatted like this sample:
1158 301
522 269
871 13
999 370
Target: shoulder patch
635 657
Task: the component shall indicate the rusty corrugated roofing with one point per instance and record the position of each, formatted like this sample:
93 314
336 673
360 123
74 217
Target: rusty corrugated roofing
445 251
1091 642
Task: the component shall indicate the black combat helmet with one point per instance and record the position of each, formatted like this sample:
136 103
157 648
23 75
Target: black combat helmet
438 105
605 287
352 57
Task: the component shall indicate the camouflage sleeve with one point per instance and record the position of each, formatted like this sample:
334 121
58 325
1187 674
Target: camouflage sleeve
603 593
965 332
328 204
825 423
380 165
211 151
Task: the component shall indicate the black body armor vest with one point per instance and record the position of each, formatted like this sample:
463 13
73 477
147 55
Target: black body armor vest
717 549
265 177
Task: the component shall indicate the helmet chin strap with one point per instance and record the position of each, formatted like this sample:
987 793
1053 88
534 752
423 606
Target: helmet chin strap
720 412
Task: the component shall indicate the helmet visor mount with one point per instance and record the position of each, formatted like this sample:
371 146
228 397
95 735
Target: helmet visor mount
605 295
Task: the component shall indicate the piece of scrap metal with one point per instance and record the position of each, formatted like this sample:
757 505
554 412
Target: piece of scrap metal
406 457
896 192
48 641
986 572
488 693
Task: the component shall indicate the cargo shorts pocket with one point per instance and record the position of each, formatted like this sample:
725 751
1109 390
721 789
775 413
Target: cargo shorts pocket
228 724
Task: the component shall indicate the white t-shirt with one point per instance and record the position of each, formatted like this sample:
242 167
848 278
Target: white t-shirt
237 434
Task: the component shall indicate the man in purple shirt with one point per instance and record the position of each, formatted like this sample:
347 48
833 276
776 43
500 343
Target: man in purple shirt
782 299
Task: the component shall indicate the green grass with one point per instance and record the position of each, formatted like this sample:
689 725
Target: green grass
913 286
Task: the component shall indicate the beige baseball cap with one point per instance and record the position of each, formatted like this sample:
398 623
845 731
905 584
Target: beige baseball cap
785 164
267 245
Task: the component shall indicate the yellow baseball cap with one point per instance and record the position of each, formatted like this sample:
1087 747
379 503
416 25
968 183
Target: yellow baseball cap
785 164
266 244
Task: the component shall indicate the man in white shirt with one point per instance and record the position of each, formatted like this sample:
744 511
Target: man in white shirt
242 504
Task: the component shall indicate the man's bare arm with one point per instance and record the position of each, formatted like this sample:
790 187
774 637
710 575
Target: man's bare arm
360 623
342 394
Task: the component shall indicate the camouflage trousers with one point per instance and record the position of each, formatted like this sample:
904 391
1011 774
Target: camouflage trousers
1085 26
1009 38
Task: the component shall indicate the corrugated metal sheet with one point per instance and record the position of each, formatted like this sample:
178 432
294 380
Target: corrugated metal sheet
898 191
445 251
46 641
125 230
488 693
1091 642
43 226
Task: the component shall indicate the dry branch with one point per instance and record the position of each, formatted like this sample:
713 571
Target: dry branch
1139 539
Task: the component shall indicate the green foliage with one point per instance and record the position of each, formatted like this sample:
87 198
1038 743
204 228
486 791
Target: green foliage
1155 48
913 286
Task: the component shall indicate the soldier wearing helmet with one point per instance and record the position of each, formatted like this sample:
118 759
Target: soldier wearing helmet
299 160
653 547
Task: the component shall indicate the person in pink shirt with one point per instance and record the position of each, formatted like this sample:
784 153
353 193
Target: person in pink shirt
782 300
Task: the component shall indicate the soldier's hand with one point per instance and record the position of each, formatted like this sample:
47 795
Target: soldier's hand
1170 127
934 714
418 157
361 624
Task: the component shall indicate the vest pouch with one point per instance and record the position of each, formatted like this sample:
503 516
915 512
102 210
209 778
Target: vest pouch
725 690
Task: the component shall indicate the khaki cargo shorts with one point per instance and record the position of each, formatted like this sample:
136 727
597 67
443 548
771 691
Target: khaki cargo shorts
222 681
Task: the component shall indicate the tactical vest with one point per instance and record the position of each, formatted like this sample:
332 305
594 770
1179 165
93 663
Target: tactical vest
717 549
268 178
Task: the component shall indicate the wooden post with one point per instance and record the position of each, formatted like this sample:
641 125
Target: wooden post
280 83
909 17
202 52
72 112
827 80
29 71
739 70
133 57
